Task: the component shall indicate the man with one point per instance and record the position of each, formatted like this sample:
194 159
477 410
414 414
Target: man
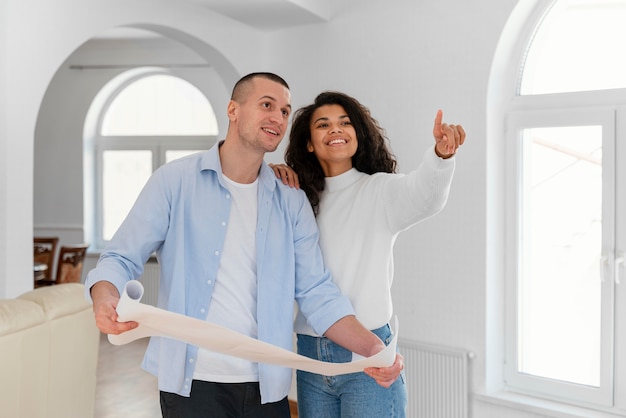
235 247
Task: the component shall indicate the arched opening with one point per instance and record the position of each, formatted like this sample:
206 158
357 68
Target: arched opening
61 208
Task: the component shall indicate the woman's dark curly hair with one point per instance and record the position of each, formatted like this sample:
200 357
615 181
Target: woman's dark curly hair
372 155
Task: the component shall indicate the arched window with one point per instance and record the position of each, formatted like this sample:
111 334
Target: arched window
146 121
566 209
577 47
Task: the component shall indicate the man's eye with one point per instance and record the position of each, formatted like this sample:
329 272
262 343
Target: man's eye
285 113
266 104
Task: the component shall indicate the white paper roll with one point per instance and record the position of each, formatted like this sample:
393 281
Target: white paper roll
155 322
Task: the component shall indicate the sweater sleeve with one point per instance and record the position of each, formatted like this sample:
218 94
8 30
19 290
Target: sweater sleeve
411 198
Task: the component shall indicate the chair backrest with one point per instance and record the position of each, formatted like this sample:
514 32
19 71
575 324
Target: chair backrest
44 251
70 263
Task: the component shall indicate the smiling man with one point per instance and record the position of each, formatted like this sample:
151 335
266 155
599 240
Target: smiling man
235 247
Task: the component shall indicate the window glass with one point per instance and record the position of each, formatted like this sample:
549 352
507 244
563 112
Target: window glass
577 47
124 173
160 105
171 155
560 252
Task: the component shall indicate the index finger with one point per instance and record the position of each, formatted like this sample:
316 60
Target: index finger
438 119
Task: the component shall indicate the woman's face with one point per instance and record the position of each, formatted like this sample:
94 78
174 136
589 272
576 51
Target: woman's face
333 139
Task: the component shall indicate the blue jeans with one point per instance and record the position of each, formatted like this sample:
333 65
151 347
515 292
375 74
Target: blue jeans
354 395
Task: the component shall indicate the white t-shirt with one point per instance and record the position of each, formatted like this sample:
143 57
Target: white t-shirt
234 301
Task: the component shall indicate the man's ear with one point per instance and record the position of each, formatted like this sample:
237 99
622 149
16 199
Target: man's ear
231 110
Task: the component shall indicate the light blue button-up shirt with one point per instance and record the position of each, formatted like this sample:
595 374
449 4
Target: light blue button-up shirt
182 215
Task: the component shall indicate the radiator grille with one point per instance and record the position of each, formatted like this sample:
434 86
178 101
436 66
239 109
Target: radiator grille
150 281
437 380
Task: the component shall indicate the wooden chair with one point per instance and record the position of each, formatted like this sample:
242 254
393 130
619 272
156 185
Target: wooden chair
44 251
70 263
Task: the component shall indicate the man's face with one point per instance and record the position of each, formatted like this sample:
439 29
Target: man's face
263 116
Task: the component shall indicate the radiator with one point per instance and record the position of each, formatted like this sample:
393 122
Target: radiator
437 380
150 281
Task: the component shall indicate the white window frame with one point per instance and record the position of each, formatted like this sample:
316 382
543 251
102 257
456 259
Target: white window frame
504 103
558 116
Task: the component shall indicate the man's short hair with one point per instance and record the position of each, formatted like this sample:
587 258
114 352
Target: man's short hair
239 91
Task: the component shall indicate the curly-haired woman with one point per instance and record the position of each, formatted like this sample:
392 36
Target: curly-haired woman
343 162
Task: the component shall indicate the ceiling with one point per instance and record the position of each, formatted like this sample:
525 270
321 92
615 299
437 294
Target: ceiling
271 14
264 15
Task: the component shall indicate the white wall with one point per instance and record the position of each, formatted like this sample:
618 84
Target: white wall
60 130
48 33
404 59
4 99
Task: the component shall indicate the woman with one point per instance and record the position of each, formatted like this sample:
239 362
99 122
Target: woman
344 165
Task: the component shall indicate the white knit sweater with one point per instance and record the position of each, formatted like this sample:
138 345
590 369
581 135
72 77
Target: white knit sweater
360 216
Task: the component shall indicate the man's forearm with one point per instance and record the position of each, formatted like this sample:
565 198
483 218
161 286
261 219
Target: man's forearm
349 333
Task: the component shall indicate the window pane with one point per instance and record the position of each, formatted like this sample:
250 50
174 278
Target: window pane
560 286
160 105
578 48
124 173
171 155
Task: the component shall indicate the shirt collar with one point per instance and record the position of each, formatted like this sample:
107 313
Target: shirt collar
211 161
343 180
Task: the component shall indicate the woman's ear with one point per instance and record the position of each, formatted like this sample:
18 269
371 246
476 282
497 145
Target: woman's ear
309 147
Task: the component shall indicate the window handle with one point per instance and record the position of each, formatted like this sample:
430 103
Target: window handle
619 261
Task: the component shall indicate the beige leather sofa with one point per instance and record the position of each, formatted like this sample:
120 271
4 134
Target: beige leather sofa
48 354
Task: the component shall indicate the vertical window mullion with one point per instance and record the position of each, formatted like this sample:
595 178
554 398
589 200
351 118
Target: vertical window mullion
620 273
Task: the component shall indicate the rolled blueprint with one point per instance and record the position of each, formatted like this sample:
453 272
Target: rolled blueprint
155 322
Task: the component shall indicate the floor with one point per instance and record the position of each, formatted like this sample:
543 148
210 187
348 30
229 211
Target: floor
123 384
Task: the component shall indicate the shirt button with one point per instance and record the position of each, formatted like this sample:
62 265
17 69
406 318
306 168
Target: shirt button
202 310
217 253
227 196
186 386
208 282
190 360
223 223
